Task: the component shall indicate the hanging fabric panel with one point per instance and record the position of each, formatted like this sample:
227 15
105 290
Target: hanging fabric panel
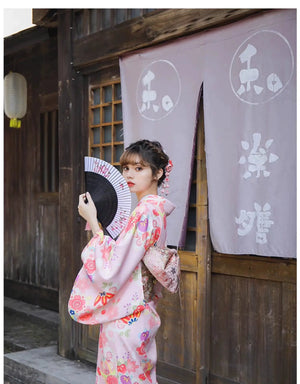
160 90
248 72
250 133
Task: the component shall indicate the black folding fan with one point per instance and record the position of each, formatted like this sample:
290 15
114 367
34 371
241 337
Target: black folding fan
110 193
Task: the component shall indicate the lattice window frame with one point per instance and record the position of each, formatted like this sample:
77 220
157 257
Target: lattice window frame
106 122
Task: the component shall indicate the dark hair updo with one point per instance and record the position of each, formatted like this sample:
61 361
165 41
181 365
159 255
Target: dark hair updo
151 154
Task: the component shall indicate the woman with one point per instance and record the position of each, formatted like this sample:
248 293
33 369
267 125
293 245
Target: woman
114 288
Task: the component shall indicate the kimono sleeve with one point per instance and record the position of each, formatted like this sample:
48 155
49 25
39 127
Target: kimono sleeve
109 264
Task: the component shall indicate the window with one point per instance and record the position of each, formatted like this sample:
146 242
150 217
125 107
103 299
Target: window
106 122
49 151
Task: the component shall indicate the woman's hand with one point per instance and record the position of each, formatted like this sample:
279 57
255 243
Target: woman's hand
88 211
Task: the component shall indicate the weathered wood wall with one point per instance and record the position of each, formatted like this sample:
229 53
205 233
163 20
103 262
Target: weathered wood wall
238 323
253 320
31 216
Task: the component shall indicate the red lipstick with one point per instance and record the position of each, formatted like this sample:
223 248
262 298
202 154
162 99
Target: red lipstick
130 184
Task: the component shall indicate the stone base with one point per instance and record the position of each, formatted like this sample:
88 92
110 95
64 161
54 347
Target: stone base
45 366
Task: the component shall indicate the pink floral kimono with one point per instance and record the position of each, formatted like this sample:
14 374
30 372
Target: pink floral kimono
115 289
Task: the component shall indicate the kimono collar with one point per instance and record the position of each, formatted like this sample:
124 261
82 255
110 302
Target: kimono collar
167 204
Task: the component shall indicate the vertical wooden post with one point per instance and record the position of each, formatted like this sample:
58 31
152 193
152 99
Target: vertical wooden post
204 262
70 159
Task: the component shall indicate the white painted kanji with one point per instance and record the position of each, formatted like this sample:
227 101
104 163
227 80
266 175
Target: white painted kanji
252 75
158 90
260 217
258 157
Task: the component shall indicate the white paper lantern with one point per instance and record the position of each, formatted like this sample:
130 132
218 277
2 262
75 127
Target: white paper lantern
15 98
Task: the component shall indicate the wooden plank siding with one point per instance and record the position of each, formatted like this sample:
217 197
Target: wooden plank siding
253 328
151 30
31 220
253 320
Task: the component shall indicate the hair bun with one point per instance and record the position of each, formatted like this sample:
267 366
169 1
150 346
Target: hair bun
151 152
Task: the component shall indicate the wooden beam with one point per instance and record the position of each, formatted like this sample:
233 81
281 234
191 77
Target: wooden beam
70 159
150 30
44 17
25 40
38 15
256 267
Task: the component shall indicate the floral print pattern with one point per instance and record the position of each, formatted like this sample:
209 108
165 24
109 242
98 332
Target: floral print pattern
114 290
127 354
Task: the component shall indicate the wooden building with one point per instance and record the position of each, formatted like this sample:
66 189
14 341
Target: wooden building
238 322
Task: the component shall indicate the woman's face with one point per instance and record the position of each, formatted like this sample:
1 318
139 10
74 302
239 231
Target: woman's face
140 178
